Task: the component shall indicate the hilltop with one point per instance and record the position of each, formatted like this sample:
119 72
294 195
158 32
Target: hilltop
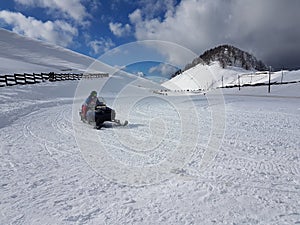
228 55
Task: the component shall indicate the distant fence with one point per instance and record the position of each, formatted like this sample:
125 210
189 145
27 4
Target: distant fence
252 79
261 78
95 75
26 78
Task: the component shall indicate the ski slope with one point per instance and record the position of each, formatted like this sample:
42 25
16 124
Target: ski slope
47 176
227 157
211 76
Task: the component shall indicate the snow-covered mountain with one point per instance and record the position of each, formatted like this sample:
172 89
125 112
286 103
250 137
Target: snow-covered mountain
225 66
203 77
228 55
21 54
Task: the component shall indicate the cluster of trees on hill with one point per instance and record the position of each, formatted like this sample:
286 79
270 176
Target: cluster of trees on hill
227 55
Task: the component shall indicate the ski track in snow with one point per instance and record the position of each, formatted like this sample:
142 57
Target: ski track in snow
254 179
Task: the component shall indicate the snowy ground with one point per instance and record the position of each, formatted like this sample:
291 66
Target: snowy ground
51 172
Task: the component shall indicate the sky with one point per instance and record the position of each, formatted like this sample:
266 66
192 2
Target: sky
267 29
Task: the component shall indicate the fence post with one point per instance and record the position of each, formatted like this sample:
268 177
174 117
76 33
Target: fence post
6 80
51 77
269 86
239 82
222 81
2 80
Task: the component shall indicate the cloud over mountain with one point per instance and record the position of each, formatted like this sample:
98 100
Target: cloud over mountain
260 27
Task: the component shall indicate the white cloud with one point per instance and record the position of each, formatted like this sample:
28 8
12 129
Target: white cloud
101 46
268 28
67 8
154 8
57 32
119 30
93 5
163 69
191 25
136 17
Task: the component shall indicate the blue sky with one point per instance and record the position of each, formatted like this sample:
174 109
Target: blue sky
268 29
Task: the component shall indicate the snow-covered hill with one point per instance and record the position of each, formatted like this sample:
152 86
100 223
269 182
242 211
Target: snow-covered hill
211 76
224 66
20 54
203 77
228 55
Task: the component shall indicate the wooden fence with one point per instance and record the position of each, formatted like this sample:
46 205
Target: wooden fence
95 75
26 78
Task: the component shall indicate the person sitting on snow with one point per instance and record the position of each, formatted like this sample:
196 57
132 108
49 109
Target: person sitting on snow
88 107
95 110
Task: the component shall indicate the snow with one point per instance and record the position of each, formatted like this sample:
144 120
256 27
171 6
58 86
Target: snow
203 77
25 55
227 157
206 77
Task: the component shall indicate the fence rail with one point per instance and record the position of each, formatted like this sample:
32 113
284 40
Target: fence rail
26 78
